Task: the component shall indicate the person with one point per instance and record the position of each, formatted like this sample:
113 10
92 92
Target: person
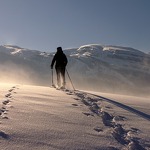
60 61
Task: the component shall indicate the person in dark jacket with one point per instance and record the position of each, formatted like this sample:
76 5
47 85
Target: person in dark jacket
60 61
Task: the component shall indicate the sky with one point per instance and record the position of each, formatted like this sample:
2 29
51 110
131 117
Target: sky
46 24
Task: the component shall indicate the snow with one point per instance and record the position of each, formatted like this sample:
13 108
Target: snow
38 117
110 111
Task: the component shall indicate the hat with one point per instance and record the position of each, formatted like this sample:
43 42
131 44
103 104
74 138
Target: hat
59 48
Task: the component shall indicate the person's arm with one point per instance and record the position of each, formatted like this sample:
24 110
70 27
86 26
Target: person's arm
53 61
66 60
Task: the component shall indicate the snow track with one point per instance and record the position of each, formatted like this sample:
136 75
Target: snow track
33 117
126 137
128 108
8 98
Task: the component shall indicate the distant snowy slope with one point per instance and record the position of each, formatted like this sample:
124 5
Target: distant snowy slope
93 67
23 65
111 67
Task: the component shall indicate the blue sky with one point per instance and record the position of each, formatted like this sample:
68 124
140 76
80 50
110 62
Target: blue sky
45 24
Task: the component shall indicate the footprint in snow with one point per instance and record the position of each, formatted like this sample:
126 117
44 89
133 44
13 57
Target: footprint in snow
86 102
95 108
107 119
80 95
15 87
4 117
69 93
119 118
75 104
108 107
135 130
3 109
5 102
118 129
88 114
10 90
119 134
131 135
77 99
134 145
98 129
3 135
8 95
1 112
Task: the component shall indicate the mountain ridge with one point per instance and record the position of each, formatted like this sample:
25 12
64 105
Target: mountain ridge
92 67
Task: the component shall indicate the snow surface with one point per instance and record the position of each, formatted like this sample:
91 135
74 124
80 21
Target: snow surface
35 116
38 117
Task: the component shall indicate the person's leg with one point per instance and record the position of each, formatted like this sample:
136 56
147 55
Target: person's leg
63 76
58 72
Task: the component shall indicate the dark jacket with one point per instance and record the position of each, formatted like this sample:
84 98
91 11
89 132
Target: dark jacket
60 58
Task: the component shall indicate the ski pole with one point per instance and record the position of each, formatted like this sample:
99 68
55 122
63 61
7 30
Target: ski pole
52 78
70 80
